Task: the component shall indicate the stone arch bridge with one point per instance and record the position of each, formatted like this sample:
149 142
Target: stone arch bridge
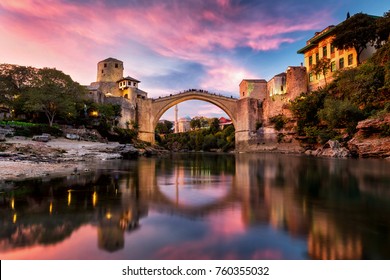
244 112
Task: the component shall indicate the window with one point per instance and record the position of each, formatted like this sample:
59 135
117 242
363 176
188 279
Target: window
350 59
134 84
105 65
324 52
333 66
311 78
116 65
331 48
317 57
102 71
341 63
310 60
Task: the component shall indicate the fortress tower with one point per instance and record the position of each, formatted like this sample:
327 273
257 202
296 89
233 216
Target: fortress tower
109 70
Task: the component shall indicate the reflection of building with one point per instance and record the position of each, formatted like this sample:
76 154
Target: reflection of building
320 46
326 242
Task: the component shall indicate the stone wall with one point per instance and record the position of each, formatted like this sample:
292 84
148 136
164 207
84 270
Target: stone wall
253 88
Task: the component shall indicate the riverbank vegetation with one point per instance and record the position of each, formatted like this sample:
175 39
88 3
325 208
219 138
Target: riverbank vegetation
355 94
210 138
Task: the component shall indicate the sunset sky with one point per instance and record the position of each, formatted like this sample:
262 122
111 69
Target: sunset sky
169 45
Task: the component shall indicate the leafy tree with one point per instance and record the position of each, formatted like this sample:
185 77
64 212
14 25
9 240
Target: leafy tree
54 94
322 67
355 32
195 123
214 125
305 109
383 28
340 113
164 127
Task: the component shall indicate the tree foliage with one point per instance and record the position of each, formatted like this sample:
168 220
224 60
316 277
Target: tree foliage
164 127
356 32
322 67
383 28
54 94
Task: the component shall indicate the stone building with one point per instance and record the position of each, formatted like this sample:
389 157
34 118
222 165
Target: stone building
111 83
113 88
184 124
320 46
254 88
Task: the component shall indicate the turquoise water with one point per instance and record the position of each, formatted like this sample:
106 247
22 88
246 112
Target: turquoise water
203 206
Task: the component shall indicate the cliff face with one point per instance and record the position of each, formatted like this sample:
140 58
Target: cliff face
372 138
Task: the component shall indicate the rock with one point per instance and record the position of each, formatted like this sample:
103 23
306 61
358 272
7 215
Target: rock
370 139
2 137
72 136
333 148
41 138
128 152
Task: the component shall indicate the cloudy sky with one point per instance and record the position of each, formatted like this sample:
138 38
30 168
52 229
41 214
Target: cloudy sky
170 45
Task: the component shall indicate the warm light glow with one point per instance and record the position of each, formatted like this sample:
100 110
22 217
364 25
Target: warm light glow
51 207
94 199
94 113
108 216
14 218
69 197
13 204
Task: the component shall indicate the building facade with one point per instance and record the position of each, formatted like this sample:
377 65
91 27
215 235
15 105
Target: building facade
320 46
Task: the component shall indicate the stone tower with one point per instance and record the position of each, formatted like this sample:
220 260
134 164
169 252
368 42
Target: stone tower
109 70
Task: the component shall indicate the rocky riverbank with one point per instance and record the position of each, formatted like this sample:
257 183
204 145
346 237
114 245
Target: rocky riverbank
23 158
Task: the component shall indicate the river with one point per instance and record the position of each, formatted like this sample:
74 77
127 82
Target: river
202 206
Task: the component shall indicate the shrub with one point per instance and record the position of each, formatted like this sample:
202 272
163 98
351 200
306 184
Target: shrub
278 121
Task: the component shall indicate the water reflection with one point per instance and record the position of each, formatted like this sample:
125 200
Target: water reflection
200 206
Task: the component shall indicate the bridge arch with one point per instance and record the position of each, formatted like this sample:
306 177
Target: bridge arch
161 105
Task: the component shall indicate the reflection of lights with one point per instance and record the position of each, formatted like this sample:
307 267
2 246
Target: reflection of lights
94 199
116 191
51 207
94 113
14 218
13 204
108 216
69 197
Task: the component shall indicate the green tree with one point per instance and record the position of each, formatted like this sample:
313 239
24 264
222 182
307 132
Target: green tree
356 32
164 127
54 94
322 67
383 28
195 123
340 113
214 125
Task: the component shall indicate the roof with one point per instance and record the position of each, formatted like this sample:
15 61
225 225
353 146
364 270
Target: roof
110 59
128 78
312 42
281 74
254 80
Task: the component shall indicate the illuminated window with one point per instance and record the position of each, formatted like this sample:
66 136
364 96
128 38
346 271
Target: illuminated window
350 59
341 63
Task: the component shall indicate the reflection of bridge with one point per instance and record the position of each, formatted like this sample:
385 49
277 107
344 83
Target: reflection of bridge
244 113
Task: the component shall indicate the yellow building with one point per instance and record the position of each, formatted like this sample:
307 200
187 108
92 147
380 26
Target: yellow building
320 46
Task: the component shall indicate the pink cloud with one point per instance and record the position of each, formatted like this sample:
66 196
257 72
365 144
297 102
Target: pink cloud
74 34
